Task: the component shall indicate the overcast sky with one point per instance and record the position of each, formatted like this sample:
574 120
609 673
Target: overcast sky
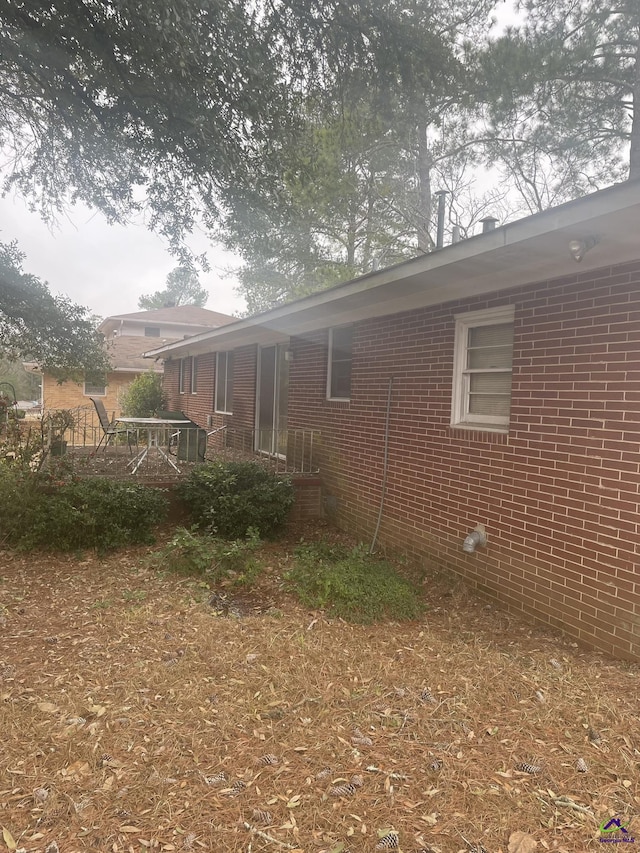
107 267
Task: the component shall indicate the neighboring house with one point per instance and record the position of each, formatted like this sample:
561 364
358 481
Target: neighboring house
495 382
127 336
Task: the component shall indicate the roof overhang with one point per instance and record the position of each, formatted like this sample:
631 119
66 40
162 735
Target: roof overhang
526 251
144 369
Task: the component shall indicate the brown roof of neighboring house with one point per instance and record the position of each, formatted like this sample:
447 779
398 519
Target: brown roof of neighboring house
125 353
187 314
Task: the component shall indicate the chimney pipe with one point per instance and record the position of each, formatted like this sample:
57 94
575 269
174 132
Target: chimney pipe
442 194
455 234
488 223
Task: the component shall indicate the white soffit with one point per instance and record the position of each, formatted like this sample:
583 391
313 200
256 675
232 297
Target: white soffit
526 251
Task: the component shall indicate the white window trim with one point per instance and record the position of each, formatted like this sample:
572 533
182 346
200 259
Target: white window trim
181 376
194 375
460 417
215 390
330 362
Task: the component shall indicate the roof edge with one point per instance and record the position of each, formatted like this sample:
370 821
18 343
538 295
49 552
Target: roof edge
577 212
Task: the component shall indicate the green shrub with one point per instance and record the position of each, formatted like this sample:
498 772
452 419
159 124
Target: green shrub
190 552
351 584
229 498
144 397
20 496
90 513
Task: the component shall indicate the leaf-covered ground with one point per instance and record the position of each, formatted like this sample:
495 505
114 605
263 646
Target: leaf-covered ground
135 716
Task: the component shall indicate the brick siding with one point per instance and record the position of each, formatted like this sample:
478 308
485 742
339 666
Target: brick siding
199 407
70 395
558 494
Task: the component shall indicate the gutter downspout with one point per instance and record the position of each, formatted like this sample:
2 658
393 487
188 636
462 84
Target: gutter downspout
385 467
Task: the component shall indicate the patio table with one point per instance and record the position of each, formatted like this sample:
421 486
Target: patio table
155 428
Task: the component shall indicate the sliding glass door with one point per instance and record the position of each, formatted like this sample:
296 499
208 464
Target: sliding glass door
272 399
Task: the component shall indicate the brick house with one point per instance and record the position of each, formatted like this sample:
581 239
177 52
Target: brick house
495 382
127 336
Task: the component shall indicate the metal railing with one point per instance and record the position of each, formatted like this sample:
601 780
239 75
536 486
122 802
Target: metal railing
287 451
173 452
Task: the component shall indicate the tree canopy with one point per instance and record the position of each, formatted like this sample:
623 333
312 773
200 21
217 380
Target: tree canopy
565 113
355 186
309 135
25 384
183 288
156 106
38 326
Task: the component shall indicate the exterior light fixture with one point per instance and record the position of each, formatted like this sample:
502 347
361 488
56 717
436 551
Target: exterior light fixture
578 248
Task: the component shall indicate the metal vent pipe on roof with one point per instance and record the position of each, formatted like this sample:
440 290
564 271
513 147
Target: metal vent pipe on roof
442 194
488 223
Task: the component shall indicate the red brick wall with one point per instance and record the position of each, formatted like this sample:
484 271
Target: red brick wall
308 498
170 385
200 406
558 494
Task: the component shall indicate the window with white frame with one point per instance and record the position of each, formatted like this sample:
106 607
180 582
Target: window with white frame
181 376
95 387
482 369
339 363
224 383
194 375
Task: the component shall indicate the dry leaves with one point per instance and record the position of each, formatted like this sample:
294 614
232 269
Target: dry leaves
520 842
107 747
8 839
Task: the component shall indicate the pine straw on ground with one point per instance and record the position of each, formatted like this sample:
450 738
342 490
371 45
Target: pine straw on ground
134 716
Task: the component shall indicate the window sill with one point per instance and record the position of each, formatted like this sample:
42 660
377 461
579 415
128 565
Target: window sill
480 427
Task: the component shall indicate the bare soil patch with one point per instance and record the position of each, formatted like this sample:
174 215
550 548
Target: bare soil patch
136 716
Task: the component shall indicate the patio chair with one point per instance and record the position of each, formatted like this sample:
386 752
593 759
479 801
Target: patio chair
110 428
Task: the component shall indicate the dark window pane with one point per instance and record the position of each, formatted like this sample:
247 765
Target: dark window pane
342 342
194 375
341 379
229 382
224 382
340 362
